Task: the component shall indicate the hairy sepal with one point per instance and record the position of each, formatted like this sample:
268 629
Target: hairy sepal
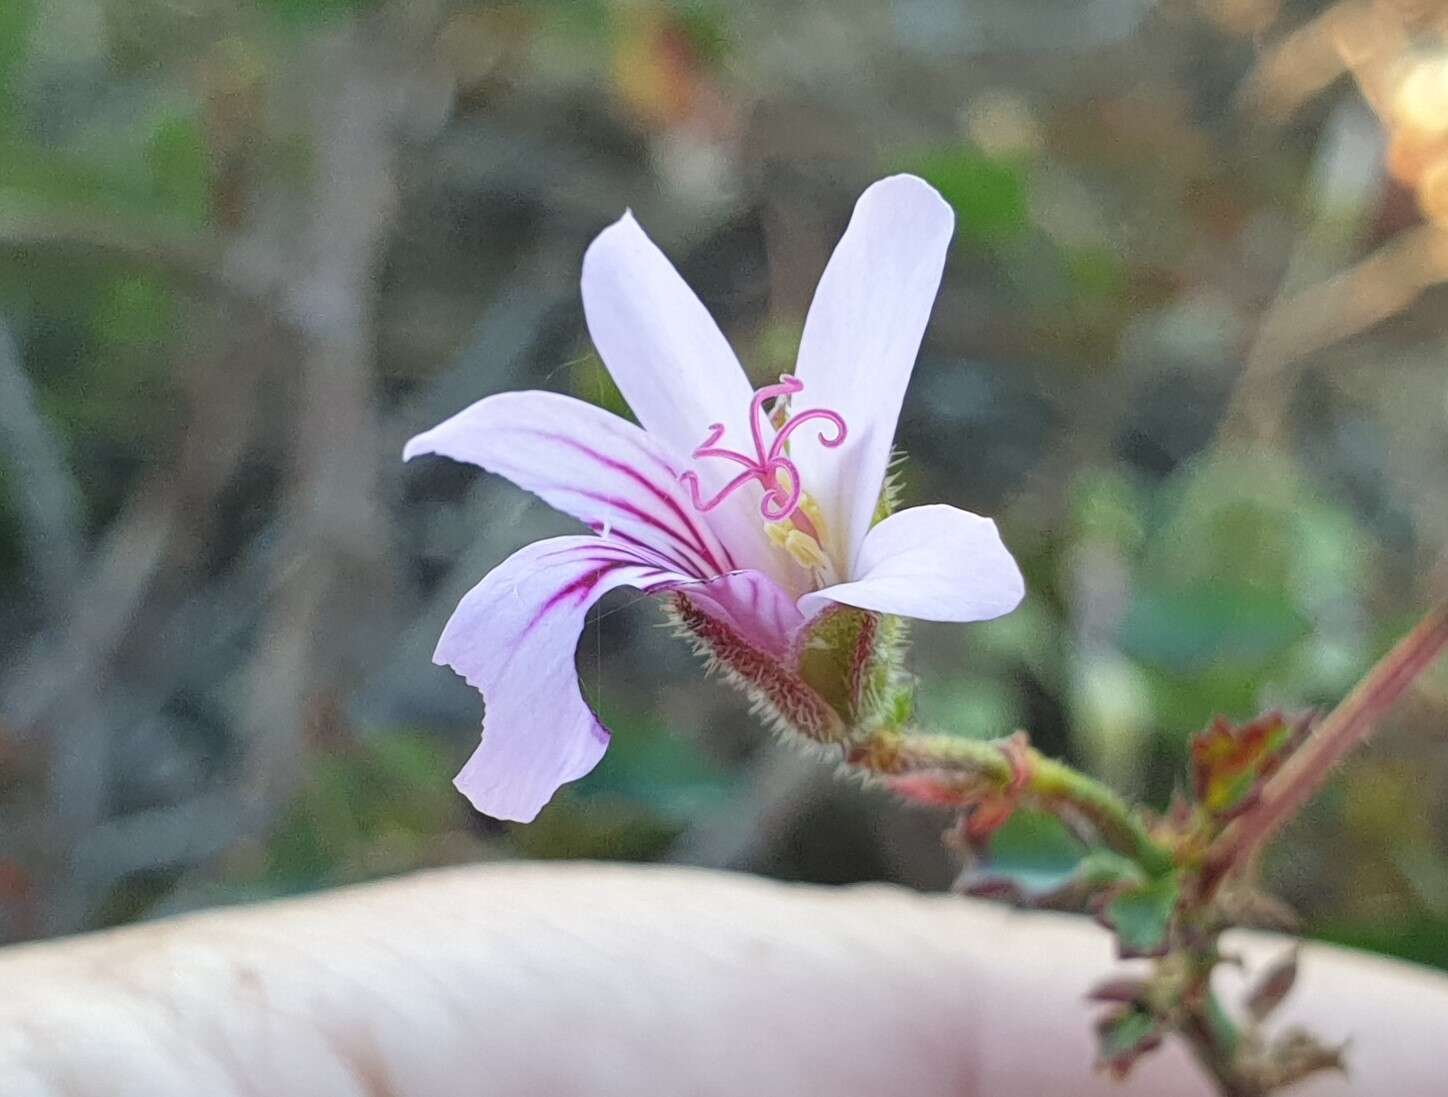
854 659
775 688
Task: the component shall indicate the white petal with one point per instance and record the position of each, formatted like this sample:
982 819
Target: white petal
859 346
513 637
932 563
588 463
660 344
675 369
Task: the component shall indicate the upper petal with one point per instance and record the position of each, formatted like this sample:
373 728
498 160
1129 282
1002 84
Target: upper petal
675 369
934 563
859 346
588 463
661 346
513 637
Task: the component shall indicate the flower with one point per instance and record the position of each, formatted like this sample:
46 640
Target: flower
754 544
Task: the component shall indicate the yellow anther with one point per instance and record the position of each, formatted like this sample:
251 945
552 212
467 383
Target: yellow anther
805 551
802 546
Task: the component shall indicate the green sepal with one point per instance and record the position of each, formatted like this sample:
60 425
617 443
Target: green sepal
890 490
853 659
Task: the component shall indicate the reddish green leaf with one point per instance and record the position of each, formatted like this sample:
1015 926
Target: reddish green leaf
1230 761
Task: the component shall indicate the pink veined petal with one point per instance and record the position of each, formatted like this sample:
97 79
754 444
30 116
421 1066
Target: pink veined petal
675 369
753 605
933 563
588 463
513 637
859 346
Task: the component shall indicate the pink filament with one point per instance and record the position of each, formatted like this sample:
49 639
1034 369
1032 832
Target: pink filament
781 499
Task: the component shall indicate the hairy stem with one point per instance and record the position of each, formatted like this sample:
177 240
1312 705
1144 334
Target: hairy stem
1011 768
1055 783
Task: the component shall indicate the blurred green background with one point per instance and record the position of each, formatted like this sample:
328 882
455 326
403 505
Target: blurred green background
1190 351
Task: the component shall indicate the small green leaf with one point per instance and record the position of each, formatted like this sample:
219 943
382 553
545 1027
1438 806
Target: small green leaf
1123 1036
135 311
1142 915
705 27
1034 861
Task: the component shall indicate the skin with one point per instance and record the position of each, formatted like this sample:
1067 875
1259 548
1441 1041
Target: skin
543 979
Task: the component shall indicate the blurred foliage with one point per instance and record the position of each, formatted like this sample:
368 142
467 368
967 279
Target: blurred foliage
1209 523
366 812
989 196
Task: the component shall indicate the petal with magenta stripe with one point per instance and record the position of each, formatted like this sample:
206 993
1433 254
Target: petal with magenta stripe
513 638
588 463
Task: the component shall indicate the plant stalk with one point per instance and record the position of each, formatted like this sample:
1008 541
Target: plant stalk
1344 728
1012 768
1216 1045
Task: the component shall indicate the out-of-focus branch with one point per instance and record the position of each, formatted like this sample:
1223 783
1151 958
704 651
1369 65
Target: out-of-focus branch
1387 50
362 88
190 256
1383 284
1321 316
1348 182
1353 35
40 484
177 836
96 614
54 693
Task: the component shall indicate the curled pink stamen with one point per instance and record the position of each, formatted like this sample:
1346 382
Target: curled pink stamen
691 479
795 422
787 387
781 500
774 472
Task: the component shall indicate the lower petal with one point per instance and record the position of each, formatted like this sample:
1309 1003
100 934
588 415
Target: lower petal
513 637
933 563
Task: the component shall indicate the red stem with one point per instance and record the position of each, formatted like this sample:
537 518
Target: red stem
1343 729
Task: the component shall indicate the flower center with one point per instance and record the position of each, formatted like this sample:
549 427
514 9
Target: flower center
784 498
